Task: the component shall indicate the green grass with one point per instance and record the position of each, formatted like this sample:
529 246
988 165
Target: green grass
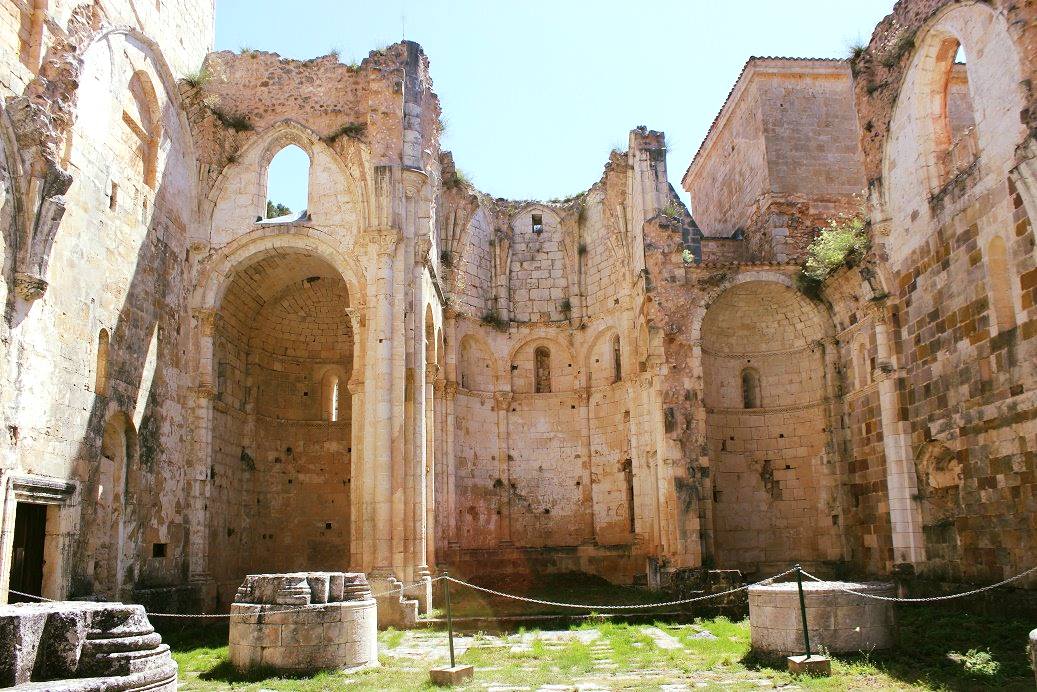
939 649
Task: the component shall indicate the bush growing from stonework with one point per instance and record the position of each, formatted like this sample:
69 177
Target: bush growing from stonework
843 242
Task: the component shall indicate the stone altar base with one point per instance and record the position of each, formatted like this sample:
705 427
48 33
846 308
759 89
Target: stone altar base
838 621
304 622
74 646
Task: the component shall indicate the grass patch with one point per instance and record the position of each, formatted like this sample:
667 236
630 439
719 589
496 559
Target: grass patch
939 649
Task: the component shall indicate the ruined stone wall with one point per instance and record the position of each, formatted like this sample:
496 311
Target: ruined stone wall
954 227
780 159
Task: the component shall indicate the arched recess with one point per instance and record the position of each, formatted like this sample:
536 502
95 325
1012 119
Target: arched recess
143 120
109 492
239 195
476 366
604 363
560 365
949 115
774 497
280 334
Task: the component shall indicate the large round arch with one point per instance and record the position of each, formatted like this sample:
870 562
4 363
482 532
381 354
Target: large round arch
280 321
764 388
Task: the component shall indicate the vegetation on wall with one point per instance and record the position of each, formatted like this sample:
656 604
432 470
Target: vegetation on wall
844 242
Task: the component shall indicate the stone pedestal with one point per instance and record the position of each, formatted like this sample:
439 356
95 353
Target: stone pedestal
449 676
818 666
81 647
304 622
838 621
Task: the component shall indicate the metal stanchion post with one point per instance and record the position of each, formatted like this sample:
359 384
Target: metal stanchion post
802 608
450 616
455 674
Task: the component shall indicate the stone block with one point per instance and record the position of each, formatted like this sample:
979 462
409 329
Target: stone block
816 666
449 676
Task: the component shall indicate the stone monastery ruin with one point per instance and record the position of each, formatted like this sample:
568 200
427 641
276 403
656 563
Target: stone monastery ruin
411 375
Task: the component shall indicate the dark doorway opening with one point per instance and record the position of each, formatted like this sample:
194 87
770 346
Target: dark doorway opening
30 531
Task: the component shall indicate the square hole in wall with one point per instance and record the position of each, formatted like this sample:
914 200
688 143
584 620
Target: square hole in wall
327 525
158 550
538 223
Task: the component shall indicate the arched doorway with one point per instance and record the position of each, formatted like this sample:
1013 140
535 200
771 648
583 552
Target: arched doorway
774 496
280 468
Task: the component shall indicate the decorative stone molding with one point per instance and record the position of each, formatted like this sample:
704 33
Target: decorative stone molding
450 388
41 489
204 392
207 319
383 240
502 400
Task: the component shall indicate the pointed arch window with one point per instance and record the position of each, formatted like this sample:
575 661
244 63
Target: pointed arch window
140 115
750 388
287 184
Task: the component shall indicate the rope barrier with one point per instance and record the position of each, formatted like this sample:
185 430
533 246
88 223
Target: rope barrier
928 599
312 606
585 606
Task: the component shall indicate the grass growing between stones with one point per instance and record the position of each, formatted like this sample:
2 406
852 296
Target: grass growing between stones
939 649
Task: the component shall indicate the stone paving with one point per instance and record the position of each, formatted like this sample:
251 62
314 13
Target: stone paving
421 647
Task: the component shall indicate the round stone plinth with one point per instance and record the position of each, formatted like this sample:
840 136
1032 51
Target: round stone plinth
839 621
300 623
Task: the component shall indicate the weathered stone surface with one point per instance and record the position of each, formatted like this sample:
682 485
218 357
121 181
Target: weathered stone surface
410 374
304 622
839 621
82 646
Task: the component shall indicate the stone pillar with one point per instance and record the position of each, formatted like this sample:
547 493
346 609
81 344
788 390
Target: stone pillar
431 444
199 482
901 480
590 533
502 402
358 462
439 468
449 394
379 449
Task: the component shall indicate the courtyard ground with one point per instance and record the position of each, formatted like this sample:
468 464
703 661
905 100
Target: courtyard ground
940 648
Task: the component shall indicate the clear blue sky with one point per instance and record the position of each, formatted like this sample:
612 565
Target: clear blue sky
535 94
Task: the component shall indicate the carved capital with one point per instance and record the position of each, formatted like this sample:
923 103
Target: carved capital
29 287
450 388
583 396
356 319
383 240
203 392
206 320
431 372
440 386
502 400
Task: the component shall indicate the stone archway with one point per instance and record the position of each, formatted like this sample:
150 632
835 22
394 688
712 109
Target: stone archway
280 464
774 496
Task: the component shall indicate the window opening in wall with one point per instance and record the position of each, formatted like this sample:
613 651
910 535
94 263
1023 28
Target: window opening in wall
617 360
750 388
862 366
538 223
101 369
144 131
628 477
542 370
158 550
999 275
955 142
333 412
30 534
287 185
